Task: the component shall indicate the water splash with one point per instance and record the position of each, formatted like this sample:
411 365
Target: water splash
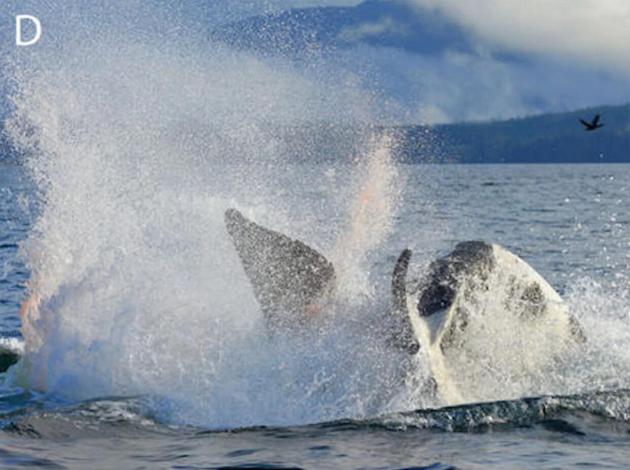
136 152
371 214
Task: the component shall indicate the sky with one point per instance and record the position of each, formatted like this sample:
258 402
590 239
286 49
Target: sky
593 32
577 54
571 53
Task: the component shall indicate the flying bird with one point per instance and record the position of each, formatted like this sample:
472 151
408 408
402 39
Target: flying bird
593 125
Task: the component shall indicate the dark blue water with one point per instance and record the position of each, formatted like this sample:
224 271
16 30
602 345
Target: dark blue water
570 222
15 221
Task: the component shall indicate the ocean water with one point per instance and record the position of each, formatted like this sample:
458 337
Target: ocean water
141 340
148 352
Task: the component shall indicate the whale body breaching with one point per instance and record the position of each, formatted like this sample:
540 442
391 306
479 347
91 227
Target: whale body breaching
479 313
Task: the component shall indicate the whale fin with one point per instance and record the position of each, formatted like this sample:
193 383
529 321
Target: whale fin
290 279
11 349
403 335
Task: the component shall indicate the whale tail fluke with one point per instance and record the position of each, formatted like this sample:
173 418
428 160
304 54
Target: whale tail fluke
290 280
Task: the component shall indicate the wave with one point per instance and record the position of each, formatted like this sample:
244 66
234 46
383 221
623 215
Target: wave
582 414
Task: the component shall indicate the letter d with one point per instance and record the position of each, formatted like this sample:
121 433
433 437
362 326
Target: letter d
19 40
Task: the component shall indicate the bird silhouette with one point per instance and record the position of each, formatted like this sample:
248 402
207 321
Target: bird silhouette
593 125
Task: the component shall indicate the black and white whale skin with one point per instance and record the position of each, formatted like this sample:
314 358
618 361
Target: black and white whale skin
482 315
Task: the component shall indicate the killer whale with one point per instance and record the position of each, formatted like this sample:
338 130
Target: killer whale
477 295
476 305
11 349
290 280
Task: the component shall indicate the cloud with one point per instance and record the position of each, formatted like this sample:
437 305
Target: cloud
455 86
371 29
591 32
438 89
525 57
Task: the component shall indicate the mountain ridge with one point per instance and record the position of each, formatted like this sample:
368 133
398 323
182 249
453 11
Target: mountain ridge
546 138
425 65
